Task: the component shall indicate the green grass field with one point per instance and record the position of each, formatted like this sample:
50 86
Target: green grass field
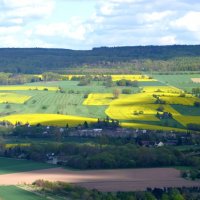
181 81
9 165
187 110
94 87
52 102
63 103
16 193
150 83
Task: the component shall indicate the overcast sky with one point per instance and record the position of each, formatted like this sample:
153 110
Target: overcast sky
84 24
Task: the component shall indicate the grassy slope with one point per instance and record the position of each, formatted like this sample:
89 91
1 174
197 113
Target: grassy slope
70 104
64 103
181 81
8 165
16 193
187 110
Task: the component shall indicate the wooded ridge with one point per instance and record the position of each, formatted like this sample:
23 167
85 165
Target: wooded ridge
142 58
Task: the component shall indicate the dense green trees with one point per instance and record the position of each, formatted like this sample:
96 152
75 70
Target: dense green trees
99 156
124 82
194 127
76 192
11 79
140 58
50 76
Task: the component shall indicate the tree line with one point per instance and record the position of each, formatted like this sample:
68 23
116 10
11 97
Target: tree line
98 156
76 192
141 58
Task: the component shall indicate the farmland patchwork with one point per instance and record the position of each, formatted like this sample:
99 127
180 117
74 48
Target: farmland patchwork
160 106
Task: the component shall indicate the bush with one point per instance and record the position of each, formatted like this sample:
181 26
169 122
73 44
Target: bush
34 101
8 106
71 92
116 93
194 127
85 96
44 107
160 109
182 95
84 82
197 104
126 91
124 82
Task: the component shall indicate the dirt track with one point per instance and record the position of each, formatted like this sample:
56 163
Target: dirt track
105 180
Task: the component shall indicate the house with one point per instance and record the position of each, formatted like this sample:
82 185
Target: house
160 144
99 130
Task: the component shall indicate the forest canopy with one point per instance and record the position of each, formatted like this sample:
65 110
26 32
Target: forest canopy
140 58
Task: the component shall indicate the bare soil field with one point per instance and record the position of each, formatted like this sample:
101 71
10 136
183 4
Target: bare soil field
195 80
105 180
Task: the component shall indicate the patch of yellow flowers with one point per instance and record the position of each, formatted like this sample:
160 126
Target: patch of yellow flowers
142 107
47 119
26 87
13 98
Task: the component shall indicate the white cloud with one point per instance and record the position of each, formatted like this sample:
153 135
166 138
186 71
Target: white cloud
74 29
20 11
167 40
107 9
155 16
113 23
144 22
6 30
189 21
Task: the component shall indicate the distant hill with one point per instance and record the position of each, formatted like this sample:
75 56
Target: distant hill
37 60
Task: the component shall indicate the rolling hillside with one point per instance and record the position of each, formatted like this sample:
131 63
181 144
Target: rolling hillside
37 60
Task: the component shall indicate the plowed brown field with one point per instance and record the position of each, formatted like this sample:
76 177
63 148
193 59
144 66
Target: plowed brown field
105 180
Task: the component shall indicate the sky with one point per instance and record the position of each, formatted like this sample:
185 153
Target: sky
84 24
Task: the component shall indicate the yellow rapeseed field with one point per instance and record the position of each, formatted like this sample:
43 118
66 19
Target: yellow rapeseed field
26 87
132 77
184 120
162 89
180 100
133 112
133 107
47 119
39 76
13 98
118 77
132 99
100 99
142 107
7 146
73 75
144 112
